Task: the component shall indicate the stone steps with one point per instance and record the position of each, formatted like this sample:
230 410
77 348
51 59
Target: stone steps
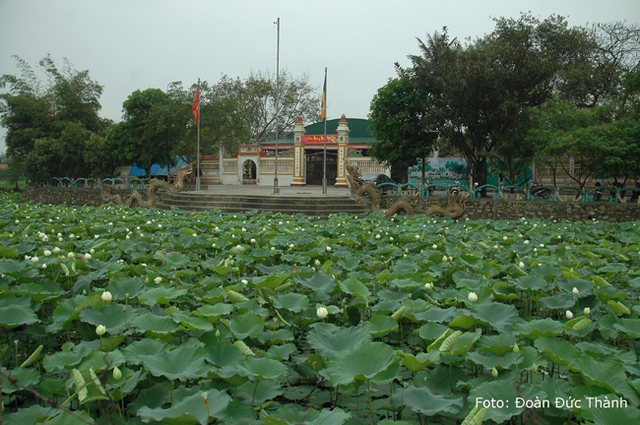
308 205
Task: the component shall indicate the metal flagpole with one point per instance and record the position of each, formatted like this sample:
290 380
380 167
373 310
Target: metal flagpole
275 177
324 160
198 158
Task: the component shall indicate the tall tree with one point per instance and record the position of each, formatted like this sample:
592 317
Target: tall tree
481 92
45 109
398 115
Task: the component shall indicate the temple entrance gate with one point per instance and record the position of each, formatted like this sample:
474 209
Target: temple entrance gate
315 169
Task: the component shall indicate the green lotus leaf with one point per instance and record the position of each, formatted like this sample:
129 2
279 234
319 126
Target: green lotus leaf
290 301
630 327
65 313
500 316
282 352
601 352
606 374
356 288
6 252
147 346
160 295
465 342
279 336
26 377
193 323
28 415
214 312
419 361
122 287
560 352
221 352
183 363
537 328
319 282
174 260
431 331
38 292
159 325
62 360
531 283
328 339
423 400
380 325
273 280
263 368
361 362
496 344
99 360
190 410
248 325
437 314
349 262
13 316
505 292
560 301
13 268
296 415
493 360
407 283
112 316
612 416
256 393
463 321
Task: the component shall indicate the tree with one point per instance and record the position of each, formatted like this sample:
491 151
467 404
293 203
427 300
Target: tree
398 116
256 97
41 113
142 135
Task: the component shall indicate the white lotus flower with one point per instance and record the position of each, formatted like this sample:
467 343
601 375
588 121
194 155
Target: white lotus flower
157 280
35 259
47 253
56 250
87 256
106 296
100 330
328 249
521 265
575 291
322 312
587 311
473 297
569 314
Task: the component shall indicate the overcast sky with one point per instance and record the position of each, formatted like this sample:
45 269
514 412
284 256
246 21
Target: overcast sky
129 45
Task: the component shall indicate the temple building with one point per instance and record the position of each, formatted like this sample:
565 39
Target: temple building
300 159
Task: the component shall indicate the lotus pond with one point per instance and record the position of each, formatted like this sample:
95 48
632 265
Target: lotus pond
116 315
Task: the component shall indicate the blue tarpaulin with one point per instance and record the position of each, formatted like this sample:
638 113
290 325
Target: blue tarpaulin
156 170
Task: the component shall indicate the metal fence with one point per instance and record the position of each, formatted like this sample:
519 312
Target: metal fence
546 193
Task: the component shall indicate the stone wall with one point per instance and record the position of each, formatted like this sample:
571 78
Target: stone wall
515 209
476 208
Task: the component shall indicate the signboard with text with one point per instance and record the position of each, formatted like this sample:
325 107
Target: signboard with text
315 139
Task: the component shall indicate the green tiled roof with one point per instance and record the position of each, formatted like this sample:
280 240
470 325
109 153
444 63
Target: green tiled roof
358 131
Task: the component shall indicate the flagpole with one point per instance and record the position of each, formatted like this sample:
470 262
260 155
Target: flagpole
198 158
324 160
275 177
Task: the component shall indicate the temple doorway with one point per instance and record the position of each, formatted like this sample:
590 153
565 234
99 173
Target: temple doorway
249 172
315 169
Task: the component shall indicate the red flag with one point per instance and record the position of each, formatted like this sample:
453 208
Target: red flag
196 105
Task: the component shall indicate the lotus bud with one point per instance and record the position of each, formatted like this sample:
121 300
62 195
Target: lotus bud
569 314
472 297
575 291
322 312
100 330
587 311
521 265
106 296
117 374
534 368
157 280
516 349
494 372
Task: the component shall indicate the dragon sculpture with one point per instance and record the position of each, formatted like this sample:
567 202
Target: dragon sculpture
155 185
456 204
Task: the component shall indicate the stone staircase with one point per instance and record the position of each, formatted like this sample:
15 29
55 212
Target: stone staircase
316 206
